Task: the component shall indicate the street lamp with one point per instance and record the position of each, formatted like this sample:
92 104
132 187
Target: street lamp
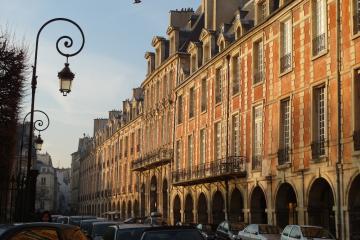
66 78
38 143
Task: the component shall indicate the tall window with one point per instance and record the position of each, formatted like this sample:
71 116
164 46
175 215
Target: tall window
283 154
171 79
120 148
165 83
258 61
318 146
126 145
191 102
138 140
356 135
286 45
190 152
178 154
132 139
202 146
218 87
257 136
164 129
356 16
319 26
235 74
217 140
203 95
235 135
193 63
180 110
261 11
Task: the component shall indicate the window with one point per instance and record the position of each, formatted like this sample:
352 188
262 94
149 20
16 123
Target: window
193 63
191 102
190 152
258 61
217 140
356 135
43 181
261 12
283 153
126 146
165 89
235 74
257 136
164 129
295 233
206 53
218 87
318 145
171 78
286 45
178 154
203 95
235 135
319 26
356 16
180 110
202 146
132 139
138 140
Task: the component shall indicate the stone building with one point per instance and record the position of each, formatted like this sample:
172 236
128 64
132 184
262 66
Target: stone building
250 113
64 191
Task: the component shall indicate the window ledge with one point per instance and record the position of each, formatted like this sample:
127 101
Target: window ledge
191 118
320 54
320 159
285 72
355 35
284 166
203 112
218 104
236 94
257 84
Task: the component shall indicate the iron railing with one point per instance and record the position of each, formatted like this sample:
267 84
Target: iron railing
212 171
283 156
318 148
318 44
258 76
154 158
356 138
285 62
256 162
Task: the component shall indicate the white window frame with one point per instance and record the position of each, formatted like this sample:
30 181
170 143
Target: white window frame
235 123
202 147
217 141
286 40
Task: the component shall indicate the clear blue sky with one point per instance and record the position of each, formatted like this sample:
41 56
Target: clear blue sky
117 33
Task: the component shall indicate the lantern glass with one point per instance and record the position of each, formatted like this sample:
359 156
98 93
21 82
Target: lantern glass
38 143
65 85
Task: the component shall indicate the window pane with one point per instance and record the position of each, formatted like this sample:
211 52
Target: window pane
202 146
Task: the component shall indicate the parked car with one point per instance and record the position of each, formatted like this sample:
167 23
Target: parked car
305 232
155 218
125 231
228 230
99 229
172 233
75 220
87 225
55 217
259 232
207 230
53 231
63 219
134 220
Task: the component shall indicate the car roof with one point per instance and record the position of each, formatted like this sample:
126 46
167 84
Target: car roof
157 228
133 225
93 220
42 224
105 223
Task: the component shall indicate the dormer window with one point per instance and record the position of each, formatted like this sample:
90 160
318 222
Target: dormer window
274 5
148 67
206 52
222 46
261 11
193 63
238 33
157 57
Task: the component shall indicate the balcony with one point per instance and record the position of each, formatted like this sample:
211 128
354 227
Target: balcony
283 156
153 159
256 162
356 138
318 149
285 62
222 169
319 44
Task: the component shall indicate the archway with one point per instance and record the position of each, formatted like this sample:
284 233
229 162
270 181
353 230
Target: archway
320 205
123 210
177 209
236 206
118 211
153 194
129 209
218 208
202 209
258 206
142 200
354 209
165 199
136 208
189 207
286 205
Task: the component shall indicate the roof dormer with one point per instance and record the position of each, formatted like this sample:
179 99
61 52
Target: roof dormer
150 58
161 46
195 51
173 33
207 37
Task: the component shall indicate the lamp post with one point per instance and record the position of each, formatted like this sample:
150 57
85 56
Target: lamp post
65 77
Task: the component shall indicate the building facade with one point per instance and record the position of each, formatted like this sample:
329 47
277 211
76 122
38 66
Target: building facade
64 191
250 113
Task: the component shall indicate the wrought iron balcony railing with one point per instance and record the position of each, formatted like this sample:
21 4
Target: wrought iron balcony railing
153 159
319 44
318 148
285 62
356 138
283 156
256 162
234 166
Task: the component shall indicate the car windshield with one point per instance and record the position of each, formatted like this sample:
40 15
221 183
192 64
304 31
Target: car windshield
129 233
268 229
100 229
315 232
179 234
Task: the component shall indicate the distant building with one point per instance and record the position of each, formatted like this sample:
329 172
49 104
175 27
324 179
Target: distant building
64 191
46 184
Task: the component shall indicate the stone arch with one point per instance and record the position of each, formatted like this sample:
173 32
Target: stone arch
153 194
354 208
218 207
189 207
285 206
165 197
177 209
123 209
236 206
320 205
136 208
202 209
129 209
258 206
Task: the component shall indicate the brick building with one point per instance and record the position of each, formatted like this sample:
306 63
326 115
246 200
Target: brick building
251 113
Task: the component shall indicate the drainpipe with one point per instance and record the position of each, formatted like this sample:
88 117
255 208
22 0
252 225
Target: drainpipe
338 78
227 136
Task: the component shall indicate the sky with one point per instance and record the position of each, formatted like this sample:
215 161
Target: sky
117 35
